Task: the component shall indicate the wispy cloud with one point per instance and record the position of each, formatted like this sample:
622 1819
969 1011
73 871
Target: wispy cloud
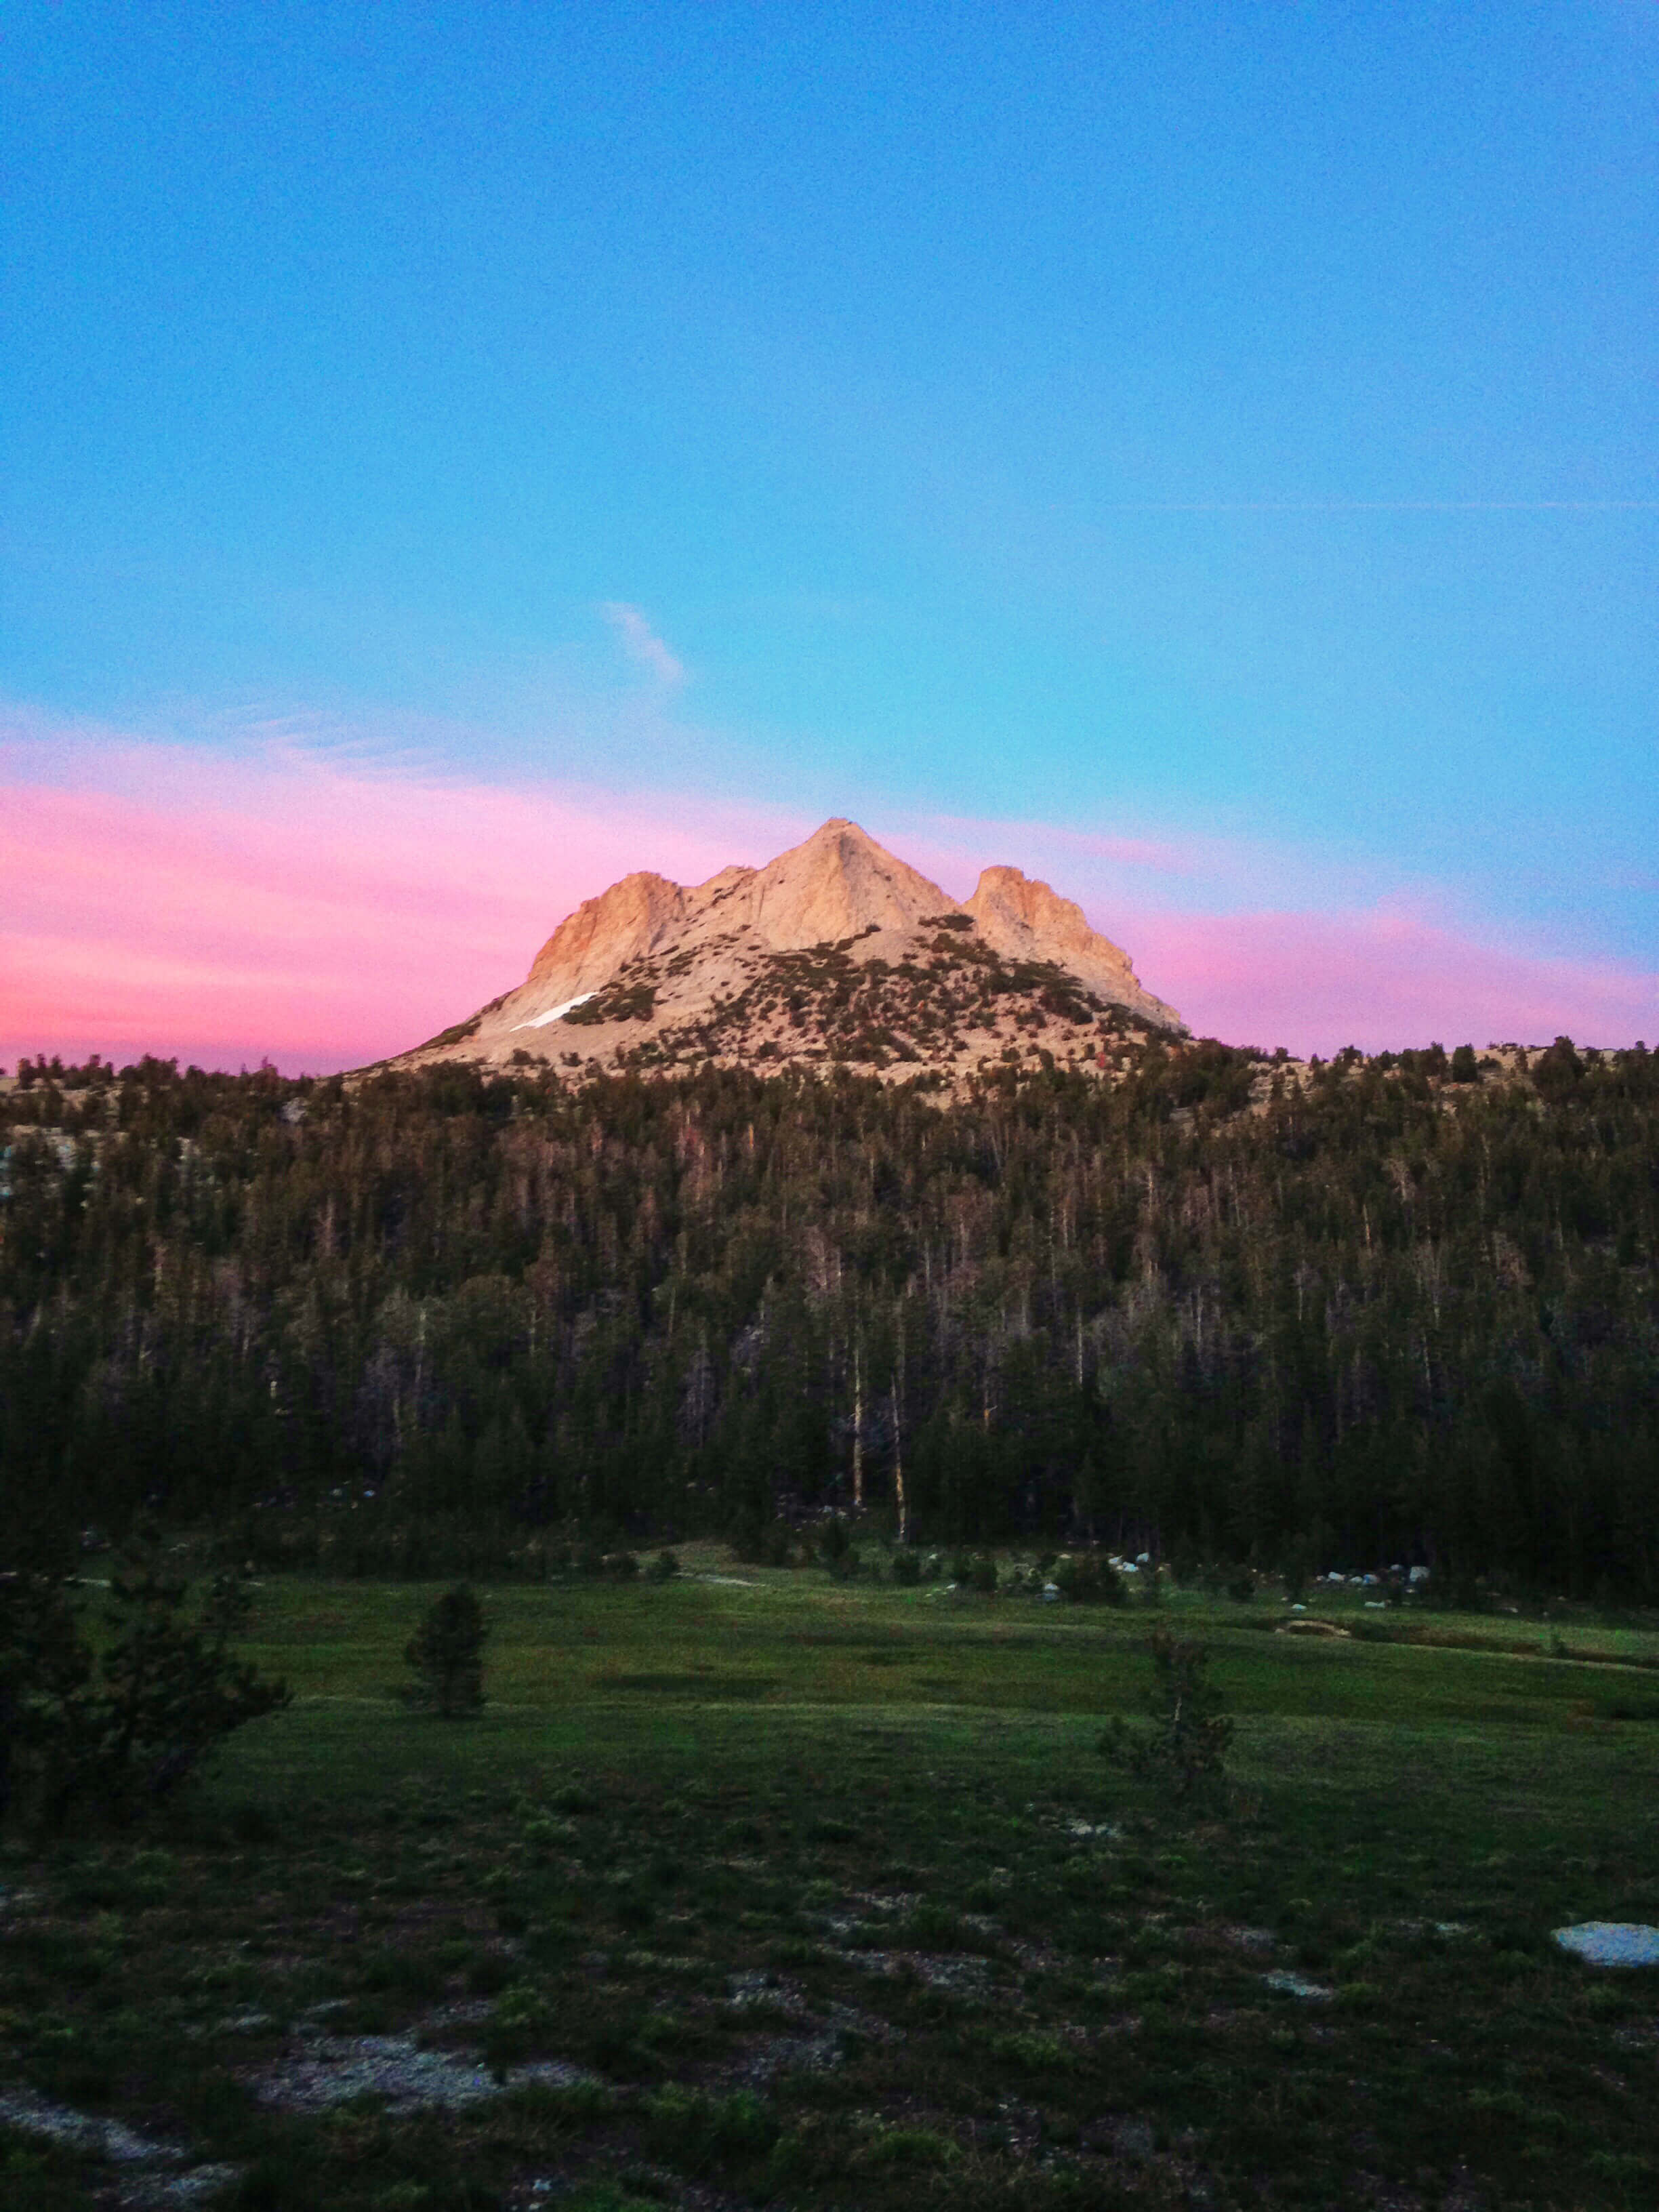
1381 507
642 644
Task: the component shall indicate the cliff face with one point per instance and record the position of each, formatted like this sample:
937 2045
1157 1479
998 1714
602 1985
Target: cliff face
836 950
604 933
1029 921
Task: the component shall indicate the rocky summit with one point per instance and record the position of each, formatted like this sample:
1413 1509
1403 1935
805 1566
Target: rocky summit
837 951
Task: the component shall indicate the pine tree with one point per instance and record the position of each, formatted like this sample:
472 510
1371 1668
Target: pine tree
1185 1748
115 1733
445 1654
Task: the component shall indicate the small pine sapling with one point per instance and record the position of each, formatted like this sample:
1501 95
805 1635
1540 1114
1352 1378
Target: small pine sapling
446 1656
1185 1748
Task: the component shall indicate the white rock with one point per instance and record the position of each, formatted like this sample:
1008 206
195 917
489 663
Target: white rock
1296 1985
1611 1942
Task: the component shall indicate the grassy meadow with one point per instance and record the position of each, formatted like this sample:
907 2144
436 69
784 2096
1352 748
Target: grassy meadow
753 1887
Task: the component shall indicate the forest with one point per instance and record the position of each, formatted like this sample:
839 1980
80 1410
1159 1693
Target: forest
1382 1312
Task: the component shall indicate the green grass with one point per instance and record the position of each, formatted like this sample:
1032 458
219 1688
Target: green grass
829 1891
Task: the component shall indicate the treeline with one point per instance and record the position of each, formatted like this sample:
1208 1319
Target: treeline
435 1322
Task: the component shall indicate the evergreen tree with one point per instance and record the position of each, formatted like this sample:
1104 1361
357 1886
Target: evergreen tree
445 1656
111 1730
1184 1749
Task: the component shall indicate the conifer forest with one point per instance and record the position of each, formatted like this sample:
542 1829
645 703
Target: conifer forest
1383 1311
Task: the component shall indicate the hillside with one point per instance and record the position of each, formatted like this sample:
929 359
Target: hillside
1394 1311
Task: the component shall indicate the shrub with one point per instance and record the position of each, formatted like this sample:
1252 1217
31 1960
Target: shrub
834 1543
915 2147
1089 1578
520 2020
906 1568
697 2132
664 1567
445 1654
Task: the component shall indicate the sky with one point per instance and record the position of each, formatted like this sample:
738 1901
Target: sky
1204 454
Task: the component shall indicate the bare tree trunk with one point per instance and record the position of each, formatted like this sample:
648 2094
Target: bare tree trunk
898 1448
858 1426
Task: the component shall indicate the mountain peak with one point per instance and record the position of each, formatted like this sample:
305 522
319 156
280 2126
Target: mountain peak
837 949
1027 919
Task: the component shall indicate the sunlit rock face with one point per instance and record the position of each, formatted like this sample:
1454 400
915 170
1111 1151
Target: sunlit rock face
836 950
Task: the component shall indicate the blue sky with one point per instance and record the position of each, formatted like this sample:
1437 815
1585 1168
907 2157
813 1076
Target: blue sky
1229 425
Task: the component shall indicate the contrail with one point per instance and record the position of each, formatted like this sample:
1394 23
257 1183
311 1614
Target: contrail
1381 507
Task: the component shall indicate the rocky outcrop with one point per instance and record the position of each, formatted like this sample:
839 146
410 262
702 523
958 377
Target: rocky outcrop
839 883
835 949
604 933
1027 920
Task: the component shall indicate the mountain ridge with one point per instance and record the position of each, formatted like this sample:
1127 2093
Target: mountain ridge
837 950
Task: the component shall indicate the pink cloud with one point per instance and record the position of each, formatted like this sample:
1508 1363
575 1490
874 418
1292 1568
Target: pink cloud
1379 979
1270 944
303 906
169 899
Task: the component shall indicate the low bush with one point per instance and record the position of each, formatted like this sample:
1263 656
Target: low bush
700 2133
1089 1578
519 2022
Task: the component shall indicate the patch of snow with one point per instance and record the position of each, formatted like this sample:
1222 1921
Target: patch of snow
555 1013
1611 1942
